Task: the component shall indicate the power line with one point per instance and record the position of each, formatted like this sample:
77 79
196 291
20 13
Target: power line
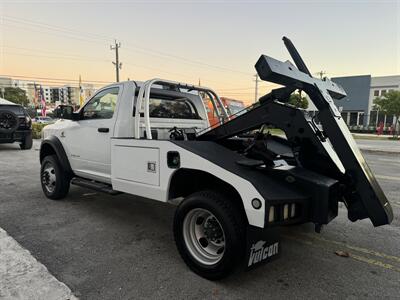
85 58
155 69
57 34
177 74
50 84
56 53
75 34
149 51
56 28
143 49
55 57
82 58
57 79
146 53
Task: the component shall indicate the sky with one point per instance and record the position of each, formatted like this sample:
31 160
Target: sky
216 42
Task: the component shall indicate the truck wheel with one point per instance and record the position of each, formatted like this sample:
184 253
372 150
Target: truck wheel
55 182
27 142
210 234
9 121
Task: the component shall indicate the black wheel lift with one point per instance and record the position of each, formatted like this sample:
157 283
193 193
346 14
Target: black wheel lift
334 144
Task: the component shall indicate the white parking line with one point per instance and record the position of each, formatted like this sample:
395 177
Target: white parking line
23 277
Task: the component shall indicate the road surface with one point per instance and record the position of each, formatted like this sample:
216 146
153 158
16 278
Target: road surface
379 145
122 247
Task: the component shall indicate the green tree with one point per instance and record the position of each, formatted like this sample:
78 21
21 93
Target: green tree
390 104
16 95
297 100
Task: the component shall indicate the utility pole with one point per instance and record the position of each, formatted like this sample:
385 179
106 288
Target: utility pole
321 74
256 90
117 64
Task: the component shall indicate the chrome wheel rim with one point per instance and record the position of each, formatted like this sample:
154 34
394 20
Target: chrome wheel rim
204 236
49 177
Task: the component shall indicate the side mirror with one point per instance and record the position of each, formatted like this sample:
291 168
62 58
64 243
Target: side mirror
65 112
76 116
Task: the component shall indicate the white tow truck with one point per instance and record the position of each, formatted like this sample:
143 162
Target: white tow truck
153 139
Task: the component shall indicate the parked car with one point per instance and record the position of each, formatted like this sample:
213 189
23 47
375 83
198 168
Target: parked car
15 124
43 120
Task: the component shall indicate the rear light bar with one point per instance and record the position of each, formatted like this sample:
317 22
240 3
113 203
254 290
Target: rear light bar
284 212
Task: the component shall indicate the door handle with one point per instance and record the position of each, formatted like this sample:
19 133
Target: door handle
103 129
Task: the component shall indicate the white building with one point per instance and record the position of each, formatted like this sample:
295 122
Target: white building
4 83
379 87
66 94
46 93
357 108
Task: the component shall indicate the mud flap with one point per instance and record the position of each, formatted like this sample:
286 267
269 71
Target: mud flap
262 246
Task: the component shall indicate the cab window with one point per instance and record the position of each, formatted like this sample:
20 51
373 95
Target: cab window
180 108
102 105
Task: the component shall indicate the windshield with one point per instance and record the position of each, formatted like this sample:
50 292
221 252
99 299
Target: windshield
235 107
16 109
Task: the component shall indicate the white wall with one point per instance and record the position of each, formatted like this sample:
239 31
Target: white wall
383 83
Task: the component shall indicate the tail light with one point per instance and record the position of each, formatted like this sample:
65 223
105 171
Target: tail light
284 212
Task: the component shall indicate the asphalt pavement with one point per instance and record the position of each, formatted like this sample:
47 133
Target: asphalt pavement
381 146
122 247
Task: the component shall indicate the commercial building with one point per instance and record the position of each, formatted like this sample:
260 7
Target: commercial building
70 94
65 94
29 88
46 93
4 83
357 108
55 94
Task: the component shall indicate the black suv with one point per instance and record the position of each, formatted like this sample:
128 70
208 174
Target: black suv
15 125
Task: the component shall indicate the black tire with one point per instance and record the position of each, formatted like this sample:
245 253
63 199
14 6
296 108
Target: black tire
9 121
231 220
60 188
27 142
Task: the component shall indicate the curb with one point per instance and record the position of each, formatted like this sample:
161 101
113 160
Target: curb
23 277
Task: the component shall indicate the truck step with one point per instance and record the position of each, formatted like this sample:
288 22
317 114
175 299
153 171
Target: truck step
94 185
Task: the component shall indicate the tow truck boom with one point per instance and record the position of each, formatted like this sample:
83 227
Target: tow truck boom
361 191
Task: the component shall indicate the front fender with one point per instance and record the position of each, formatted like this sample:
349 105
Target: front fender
53 146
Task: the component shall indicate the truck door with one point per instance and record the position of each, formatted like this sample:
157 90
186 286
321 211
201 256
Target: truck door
89 139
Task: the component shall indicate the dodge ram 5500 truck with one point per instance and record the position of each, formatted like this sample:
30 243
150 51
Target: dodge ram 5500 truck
153 139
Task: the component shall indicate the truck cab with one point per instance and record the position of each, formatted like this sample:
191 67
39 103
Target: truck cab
111 113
